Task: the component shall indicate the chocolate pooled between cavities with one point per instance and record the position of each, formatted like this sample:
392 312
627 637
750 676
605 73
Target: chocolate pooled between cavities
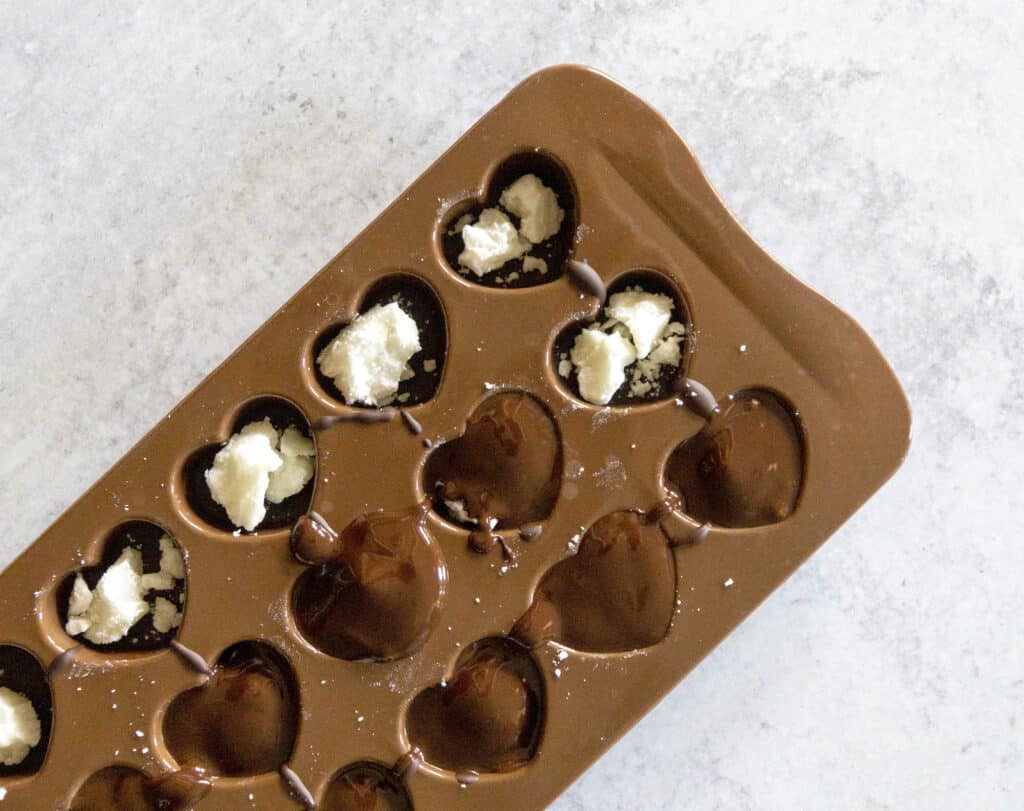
486 579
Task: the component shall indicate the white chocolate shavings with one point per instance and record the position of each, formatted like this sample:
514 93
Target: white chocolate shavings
20 729
370 357
259 464
107 613
639 339
537 207
493 240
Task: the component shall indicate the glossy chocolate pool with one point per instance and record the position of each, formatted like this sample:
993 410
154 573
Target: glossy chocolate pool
368 648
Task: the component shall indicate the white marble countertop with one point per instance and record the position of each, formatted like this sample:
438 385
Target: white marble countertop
171 172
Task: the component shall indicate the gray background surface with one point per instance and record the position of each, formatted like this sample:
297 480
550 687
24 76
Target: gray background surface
171 172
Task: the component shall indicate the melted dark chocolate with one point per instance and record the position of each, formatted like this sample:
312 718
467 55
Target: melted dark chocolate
243 721
745 468
507 466
554 251
617 593
366 786
377 591
489 714
123 788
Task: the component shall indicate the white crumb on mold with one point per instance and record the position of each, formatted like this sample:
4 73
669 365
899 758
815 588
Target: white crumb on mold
259 464
729 582
369 357
600 359
20 729
531 263
107 613
537 207
491 242
639 334
165 615
645 315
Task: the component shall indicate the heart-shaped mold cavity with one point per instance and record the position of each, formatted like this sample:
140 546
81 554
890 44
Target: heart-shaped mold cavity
663 336
123 788
242 721
418 300
282 415
26 712
616 594
745 467
487 717
543 261
132 600
375 591
366 786
504 471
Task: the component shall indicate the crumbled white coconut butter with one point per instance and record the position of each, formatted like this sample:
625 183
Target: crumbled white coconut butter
645 315
537 207
534 263
370 356
165 615
106 613
20 729
600 359
639 339
259 464
491 242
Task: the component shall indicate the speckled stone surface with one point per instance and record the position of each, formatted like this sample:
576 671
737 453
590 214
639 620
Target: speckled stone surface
171 172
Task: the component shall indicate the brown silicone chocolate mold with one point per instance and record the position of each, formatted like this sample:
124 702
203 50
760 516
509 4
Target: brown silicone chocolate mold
371 632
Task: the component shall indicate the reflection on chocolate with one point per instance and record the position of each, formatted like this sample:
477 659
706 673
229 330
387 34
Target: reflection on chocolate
507 465
366 786
487 717
616 593
122 788
243 721
21 672
745 468
378 591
